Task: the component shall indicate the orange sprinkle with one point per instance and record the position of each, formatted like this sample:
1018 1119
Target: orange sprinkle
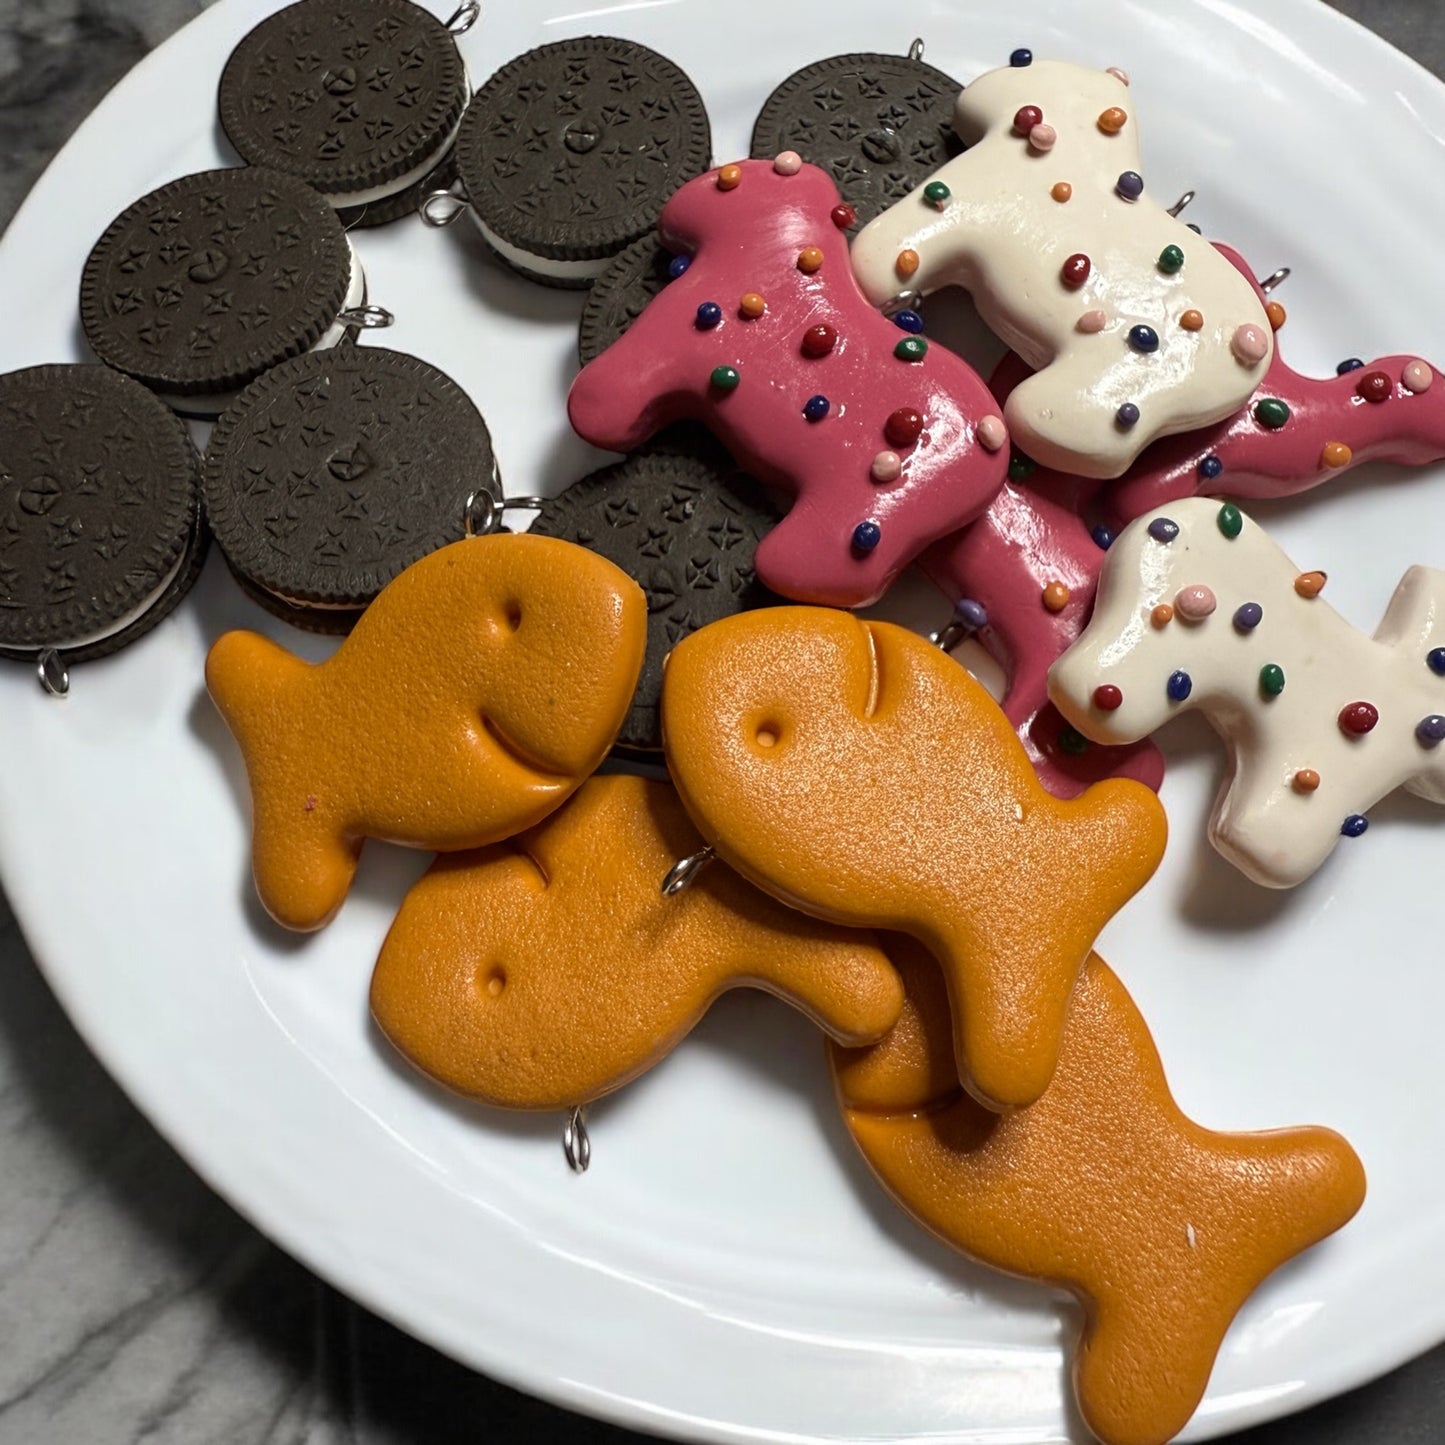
1336 454
1310 584
1192 320
1306 780
728 177
1162 615
1062 191
1276 314
809 259
1056 596
1113 120
752 305
907 263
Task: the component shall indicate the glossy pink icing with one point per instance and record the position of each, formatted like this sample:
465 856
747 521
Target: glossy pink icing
747 239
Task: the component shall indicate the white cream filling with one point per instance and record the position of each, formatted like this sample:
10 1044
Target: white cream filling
542 265
346 200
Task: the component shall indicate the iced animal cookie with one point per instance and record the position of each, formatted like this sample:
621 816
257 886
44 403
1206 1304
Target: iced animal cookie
1161 1228
882 441
1135 326
471 699
550 970
1197 607
853 770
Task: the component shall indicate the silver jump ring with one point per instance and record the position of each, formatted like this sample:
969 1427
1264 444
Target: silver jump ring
52 673
915 51
684 873
435 218
903 301
465 17
367 318
481 514
1180 204
1274 279
576 1142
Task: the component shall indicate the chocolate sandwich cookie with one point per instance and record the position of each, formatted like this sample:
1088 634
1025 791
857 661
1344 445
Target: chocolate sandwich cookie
568 153
101 530
878 124
332 474
620 293
685 529
360 99
205 283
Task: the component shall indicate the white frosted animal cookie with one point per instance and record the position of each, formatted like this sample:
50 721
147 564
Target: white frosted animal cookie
1135 326
1198 608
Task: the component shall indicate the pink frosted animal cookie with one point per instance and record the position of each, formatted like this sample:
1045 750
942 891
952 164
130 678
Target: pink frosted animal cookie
1197 607
1136 326
884 441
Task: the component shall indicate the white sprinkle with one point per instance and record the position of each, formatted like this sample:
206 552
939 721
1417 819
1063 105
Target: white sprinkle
1019 811
1193 1241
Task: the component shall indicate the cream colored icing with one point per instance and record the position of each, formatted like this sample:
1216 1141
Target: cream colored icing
1262 822
1002 235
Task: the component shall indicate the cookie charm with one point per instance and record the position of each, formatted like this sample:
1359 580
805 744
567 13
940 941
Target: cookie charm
1199 608
855 771
621 293
101 533
1161 1228
471 699
685 530
361 99
568 152
202 285
334 472
548 971
878 124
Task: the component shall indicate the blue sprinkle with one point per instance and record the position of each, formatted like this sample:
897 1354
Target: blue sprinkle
709 314
1435 661
866 536
1248 616
1163 530
1431 730
1103 537
1130 185
1350 363
816 408
970 614
1180 685
1210 467
1143 338
1127 416
1354 825
910 321
1020 58
678 265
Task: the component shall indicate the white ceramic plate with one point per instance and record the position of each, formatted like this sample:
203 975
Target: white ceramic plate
728 1270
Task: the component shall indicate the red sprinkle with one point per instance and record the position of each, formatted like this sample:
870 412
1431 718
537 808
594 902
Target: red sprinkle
819 340
1075 271
1026 118
1358 718
1375 386
1107 696
903 427
843 216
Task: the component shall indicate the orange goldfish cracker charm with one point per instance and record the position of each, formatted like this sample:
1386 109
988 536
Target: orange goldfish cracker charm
1161 1228
550 970
472 698
854 771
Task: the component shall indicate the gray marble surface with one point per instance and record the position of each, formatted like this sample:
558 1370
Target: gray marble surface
136 1306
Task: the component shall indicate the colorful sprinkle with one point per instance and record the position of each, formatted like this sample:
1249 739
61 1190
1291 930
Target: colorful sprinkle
1073 742
1075 270
1248 616
1271 412
1026 117
729 177
1249 344
1195 602
816 407
678 265
709 314
1162 615
992 432
1020 58
725 378
1305 780
1349 364
909 321
1020 467
1091 322
1336 454
1103 536
1358 718
752 305
1127 416
1113 120
911 348
1179 686
903 426
1354 825
1192 320
1143 338
1375 387
970 614
866 536
1231 520
1162 529
1431 730
1171 260
886 467
936 193
1210 467
1435 661
1271 679
1061 191
1310 584
810 259
1130 185
819 340
1276 314
843 216
1416 377
787 163
1107 697
906 264
1056 596
1042 138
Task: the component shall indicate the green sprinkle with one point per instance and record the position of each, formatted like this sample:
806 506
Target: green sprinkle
911 348
1073 742
1230 521
936 193
725 378
1271 679
1171 259
1020 467
1271 412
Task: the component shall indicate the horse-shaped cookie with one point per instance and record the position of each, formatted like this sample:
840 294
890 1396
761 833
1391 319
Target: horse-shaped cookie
882 440
1136 326
1197 607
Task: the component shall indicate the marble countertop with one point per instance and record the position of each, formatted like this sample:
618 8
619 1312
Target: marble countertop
135 1305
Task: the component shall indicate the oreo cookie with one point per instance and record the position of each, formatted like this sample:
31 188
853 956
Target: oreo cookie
360 99
878 124
202 285
568 154
685 529
620 294
101 529
331 474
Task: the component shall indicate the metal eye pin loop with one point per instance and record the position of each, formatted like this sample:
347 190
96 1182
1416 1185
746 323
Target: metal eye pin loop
576 1141
366 318
437 218
1180 204
481 514
464 17
52 673
903 301
682 874
915 51
1275 278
